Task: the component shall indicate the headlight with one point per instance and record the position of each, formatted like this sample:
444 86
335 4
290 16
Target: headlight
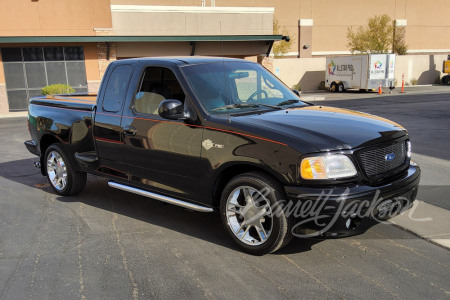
327 167
408 144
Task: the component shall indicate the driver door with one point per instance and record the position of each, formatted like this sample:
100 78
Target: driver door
162 156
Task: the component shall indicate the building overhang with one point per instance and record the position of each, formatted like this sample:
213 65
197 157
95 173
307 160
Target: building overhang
88 39
135 46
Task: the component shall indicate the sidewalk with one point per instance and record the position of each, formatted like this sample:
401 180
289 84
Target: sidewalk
14 114
427 221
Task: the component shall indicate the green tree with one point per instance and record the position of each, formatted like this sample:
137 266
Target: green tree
399 46
377 37
280 48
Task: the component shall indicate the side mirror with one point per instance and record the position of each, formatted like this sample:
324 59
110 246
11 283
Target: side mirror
172 109
296 92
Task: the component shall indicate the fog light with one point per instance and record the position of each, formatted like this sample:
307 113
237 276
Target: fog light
353 222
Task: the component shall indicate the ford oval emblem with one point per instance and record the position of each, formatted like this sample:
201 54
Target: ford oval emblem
389 157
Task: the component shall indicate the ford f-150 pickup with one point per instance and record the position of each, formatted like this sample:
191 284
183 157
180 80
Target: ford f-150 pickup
214 134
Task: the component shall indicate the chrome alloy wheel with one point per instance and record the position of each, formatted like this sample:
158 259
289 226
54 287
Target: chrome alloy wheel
56 170
249 215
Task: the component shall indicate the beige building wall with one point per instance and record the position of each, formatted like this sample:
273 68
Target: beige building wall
423 68
91 62
53 17
428 23
191 20
309 72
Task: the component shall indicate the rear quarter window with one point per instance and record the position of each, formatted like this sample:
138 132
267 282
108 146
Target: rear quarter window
116 88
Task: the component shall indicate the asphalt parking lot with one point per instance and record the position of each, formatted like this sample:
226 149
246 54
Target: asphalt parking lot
109 244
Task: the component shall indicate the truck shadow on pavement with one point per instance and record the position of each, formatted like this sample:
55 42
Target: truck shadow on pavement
98 195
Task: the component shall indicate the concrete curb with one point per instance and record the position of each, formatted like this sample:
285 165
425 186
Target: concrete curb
427 221
14 115
312 98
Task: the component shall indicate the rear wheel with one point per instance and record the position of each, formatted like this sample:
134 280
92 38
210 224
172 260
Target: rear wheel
252 215
333 87
340 87
61 175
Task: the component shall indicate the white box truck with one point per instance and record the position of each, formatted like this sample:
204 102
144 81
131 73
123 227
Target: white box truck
364 72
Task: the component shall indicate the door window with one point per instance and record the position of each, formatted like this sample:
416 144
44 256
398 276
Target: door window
157 85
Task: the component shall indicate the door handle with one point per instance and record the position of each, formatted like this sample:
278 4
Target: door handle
129 131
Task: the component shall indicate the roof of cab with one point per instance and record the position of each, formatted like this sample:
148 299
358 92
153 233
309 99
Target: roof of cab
187 60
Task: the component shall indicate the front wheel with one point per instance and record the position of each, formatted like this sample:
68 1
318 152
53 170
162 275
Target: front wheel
251 211
61 175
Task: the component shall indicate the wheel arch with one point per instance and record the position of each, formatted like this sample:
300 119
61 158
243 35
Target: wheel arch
46 141
345 84
229 172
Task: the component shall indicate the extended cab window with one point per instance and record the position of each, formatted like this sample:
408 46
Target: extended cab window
116 88
157 84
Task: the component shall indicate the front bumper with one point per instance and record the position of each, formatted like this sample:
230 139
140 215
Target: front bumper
351 209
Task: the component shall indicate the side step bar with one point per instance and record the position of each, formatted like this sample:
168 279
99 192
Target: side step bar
159 197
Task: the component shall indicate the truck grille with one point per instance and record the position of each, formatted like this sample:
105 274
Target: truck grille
375 161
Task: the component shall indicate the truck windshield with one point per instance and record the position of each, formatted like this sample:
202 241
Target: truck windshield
234 87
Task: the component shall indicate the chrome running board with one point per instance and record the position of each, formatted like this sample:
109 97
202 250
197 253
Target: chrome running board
159 197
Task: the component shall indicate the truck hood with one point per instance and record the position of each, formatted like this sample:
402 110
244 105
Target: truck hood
326 128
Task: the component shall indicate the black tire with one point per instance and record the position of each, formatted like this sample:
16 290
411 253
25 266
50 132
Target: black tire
446 79
333 87
74 181
340 87
276 227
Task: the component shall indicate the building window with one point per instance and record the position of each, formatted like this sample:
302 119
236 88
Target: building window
29 69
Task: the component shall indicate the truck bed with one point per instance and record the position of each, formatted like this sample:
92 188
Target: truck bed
66 119
70 101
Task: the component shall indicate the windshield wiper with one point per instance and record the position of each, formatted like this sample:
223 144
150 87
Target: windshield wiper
271 106
288 102
244 105
231 106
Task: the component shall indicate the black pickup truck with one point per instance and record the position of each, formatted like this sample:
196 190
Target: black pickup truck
214 134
